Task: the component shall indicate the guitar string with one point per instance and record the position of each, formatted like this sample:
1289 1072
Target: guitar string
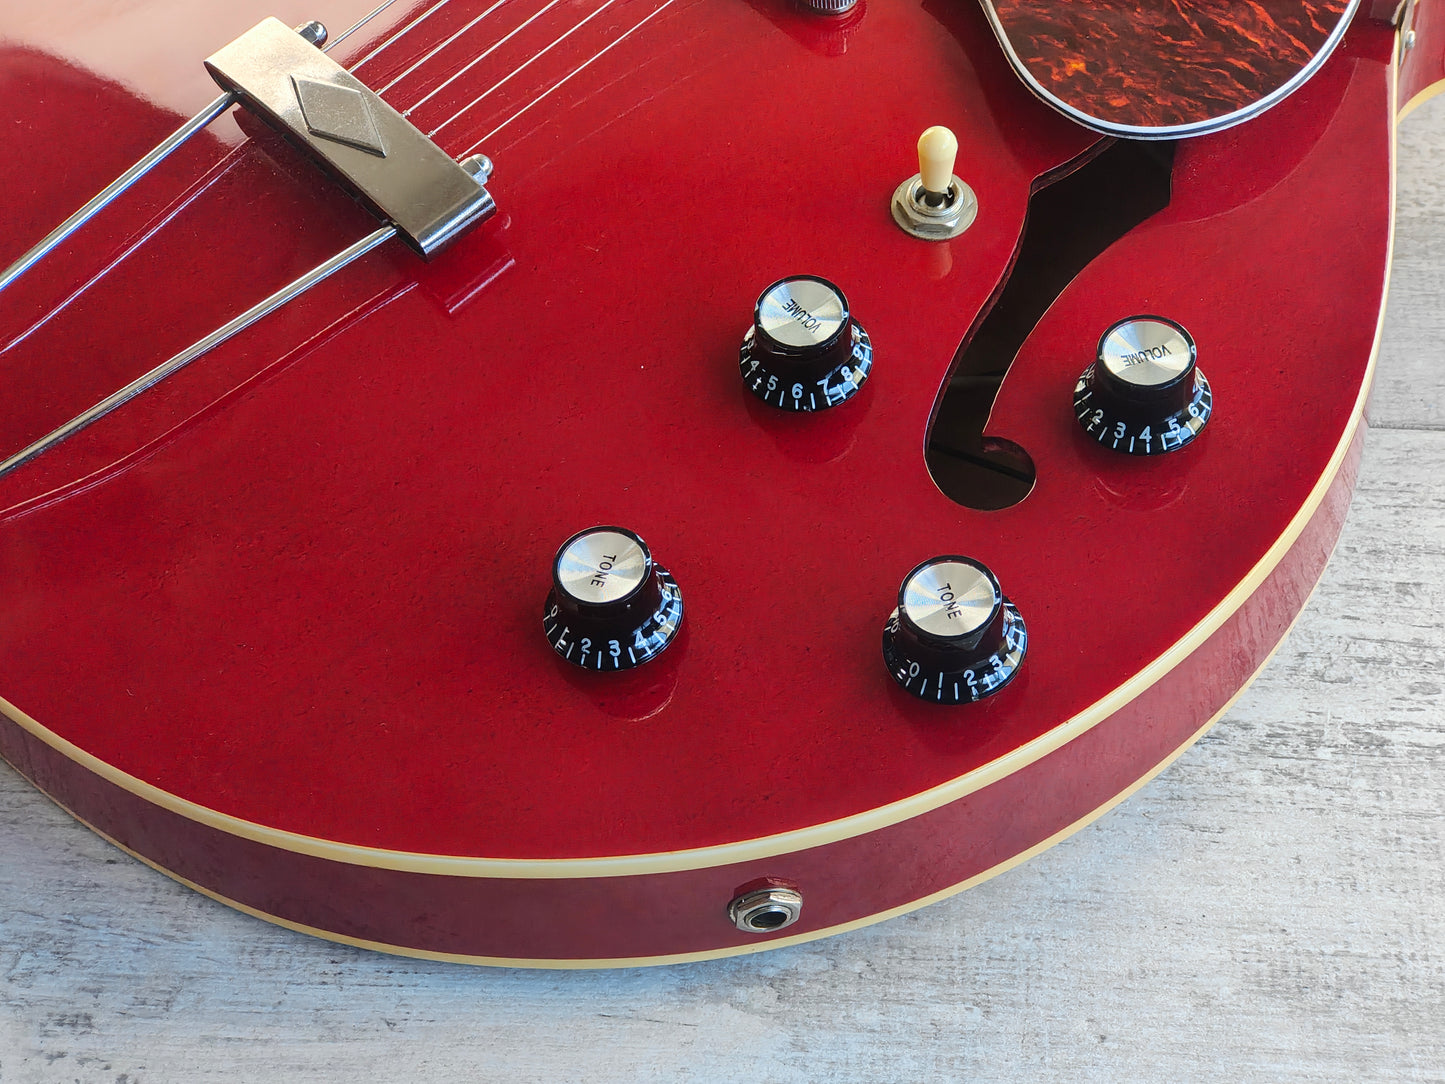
604 85
197 189
568 77
224 165
354 27
399 34
471 24
230 159
477 60
434 51
523 67
215 173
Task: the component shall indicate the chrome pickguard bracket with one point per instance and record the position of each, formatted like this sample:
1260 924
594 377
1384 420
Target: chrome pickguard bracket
365 144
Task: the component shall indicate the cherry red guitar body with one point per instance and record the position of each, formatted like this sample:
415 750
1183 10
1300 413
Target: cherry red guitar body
275 626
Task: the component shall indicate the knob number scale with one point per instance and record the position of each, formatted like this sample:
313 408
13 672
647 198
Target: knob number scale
836 386
804 352
1144 394
623 652
959 686
1124 435
954 638
611 606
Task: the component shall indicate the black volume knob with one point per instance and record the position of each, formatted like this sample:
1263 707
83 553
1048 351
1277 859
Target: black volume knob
804 351
954 637
1144 394
611 607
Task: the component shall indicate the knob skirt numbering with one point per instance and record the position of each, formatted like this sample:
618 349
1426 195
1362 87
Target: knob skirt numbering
1144 394
954 637
611 607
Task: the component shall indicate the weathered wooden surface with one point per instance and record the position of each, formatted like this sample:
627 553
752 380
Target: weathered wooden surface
1272 908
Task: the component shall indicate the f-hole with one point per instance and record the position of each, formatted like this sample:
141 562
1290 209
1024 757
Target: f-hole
1070 221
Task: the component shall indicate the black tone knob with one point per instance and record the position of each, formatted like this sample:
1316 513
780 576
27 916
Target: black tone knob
611 607
804 351
954 637
1144 394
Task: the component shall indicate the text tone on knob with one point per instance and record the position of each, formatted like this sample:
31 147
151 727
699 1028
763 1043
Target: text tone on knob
611 607
954 638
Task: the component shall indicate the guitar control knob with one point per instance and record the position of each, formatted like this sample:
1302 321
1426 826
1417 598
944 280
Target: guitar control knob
804 351
611 607
1144 394
954 637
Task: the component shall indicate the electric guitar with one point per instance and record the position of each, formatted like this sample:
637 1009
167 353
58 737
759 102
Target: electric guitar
680 530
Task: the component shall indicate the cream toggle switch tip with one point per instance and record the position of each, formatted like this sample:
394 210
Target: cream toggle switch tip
934 204
937 151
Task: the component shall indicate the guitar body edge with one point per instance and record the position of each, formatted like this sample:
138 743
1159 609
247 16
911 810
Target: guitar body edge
653 919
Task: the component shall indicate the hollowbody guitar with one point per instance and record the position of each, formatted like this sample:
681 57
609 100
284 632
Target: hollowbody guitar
275 626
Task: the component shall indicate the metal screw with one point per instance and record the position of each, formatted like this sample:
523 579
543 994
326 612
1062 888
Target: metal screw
313 32
479 166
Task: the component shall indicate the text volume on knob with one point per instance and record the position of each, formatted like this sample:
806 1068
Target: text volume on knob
805 351
1144 394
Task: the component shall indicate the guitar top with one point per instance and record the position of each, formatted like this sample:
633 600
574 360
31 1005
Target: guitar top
1166 68
292 625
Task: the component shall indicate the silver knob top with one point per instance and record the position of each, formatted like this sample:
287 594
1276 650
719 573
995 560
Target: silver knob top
829 7
1146 352
949 598
602 566
801 313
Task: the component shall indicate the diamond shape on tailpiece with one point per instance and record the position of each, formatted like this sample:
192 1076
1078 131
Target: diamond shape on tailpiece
341 114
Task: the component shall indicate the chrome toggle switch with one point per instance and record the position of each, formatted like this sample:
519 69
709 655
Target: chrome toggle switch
934 204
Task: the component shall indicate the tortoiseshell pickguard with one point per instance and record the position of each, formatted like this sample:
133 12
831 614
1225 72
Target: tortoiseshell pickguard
1164 68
